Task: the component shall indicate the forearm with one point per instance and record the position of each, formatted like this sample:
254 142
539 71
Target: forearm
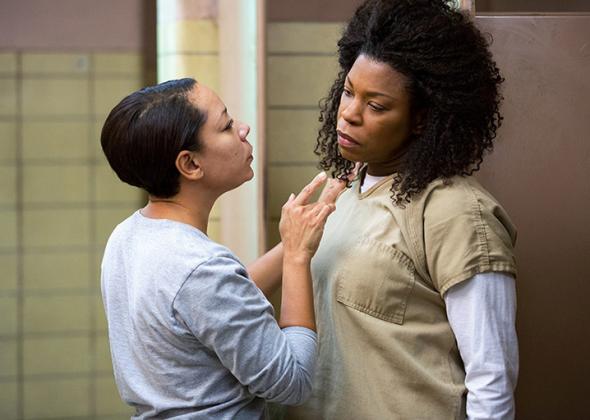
297 294
266 271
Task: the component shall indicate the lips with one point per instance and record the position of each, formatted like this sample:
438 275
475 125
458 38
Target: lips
345 140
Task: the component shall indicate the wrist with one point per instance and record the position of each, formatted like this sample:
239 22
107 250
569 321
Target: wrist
297 258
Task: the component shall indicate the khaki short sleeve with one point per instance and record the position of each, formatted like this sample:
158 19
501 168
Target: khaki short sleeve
466 232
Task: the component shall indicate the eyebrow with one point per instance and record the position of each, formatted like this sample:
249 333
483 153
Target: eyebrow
372 93
224 112
221 114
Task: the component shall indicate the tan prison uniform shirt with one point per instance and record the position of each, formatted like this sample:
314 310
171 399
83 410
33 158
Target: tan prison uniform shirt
386 350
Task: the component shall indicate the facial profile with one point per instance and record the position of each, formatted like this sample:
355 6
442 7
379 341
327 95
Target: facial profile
226 155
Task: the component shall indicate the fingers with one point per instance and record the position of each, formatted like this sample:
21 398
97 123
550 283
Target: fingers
310 189
324 212
332 190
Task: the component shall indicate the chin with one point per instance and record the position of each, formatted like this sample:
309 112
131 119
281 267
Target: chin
349 156
250 175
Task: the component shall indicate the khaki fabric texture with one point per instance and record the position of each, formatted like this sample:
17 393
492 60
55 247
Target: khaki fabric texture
386 349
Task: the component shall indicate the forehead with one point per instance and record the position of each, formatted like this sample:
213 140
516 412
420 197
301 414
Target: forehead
206 100
369 74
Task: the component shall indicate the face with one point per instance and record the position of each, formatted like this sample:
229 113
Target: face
374 122
226 155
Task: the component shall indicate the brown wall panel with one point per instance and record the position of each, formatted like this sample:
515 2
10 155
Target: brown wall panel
540 172
311 10
71 24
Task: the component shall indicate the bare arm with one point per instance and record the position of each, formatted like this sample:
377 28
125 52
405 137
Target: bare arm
301 227
267 271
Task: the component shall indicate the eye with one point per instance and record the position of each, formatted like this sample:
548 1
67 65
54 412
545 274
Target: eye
229 125
376 107
346 92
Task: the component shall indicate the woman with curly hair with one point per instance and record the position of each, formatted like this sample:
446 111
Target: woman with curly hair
414 277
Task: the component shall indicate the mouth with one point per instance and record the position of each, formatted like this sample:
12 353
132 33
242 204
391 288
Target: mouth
250 158
345 140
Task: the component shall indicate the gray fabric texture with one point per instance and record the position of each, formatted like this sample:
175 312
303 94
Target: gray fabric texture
191 335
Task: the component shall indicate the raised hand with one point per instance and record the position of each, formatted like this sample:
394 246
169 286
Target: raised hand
302 224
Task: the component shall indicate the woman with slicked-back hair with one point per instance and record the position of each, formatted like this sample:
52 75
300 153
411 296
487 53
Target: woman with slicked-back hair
414 278
191 332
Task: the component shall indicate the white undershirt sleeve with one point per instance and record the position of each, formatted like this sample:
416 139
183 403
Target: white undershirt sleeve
482 312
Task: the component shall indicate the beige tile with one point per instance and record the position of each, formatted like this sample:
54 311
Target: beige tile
109 188
55 97
36 63
58 398
299 80
43 356
98 254
127 63
56 227
303 37
8 308
49 314
103 354
7 63
8 185
187 35
8 358
107 219
56 270
7 97
205 69
8 400
283 181
7 141
8 262
109 92
108 401
8 228
70 184
95 147
291 135
100 318
55 140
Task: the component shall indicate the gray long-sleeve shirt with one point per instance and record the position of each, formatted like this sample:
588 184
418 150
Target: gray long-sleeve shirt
191 335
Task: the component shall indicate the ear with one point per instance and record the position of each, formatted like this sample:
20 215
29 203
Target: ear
188 165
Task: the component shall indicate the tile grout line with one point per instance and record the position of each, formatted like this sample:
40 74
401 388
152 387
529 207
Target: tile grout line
19 241
92 239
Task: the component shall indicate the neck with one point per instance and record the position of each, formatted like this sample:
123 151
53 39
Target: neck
388 167
190 207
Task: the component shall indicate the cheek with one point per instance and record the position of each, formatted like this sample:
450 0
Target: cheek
397 128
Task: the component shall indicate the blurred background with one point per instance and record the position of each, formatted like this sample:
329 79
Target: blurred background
65 63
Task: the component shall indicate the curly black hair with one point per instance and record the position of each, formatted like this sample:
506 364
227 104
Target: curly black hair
453 81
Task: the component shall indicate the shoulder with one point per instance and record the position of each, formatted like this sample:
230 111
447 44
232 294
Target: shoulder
466 199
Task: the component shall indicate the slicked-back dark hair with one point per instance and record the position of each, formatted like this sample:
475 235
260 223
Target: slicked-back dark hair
453 81
144 133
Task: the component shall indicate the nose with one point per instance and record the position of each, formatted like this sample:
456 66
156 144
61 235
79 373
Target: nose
351 112
243 131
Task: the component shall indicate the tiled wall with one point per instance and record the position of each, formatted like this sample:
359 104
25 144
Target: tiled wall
301 66
59 201
188 47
